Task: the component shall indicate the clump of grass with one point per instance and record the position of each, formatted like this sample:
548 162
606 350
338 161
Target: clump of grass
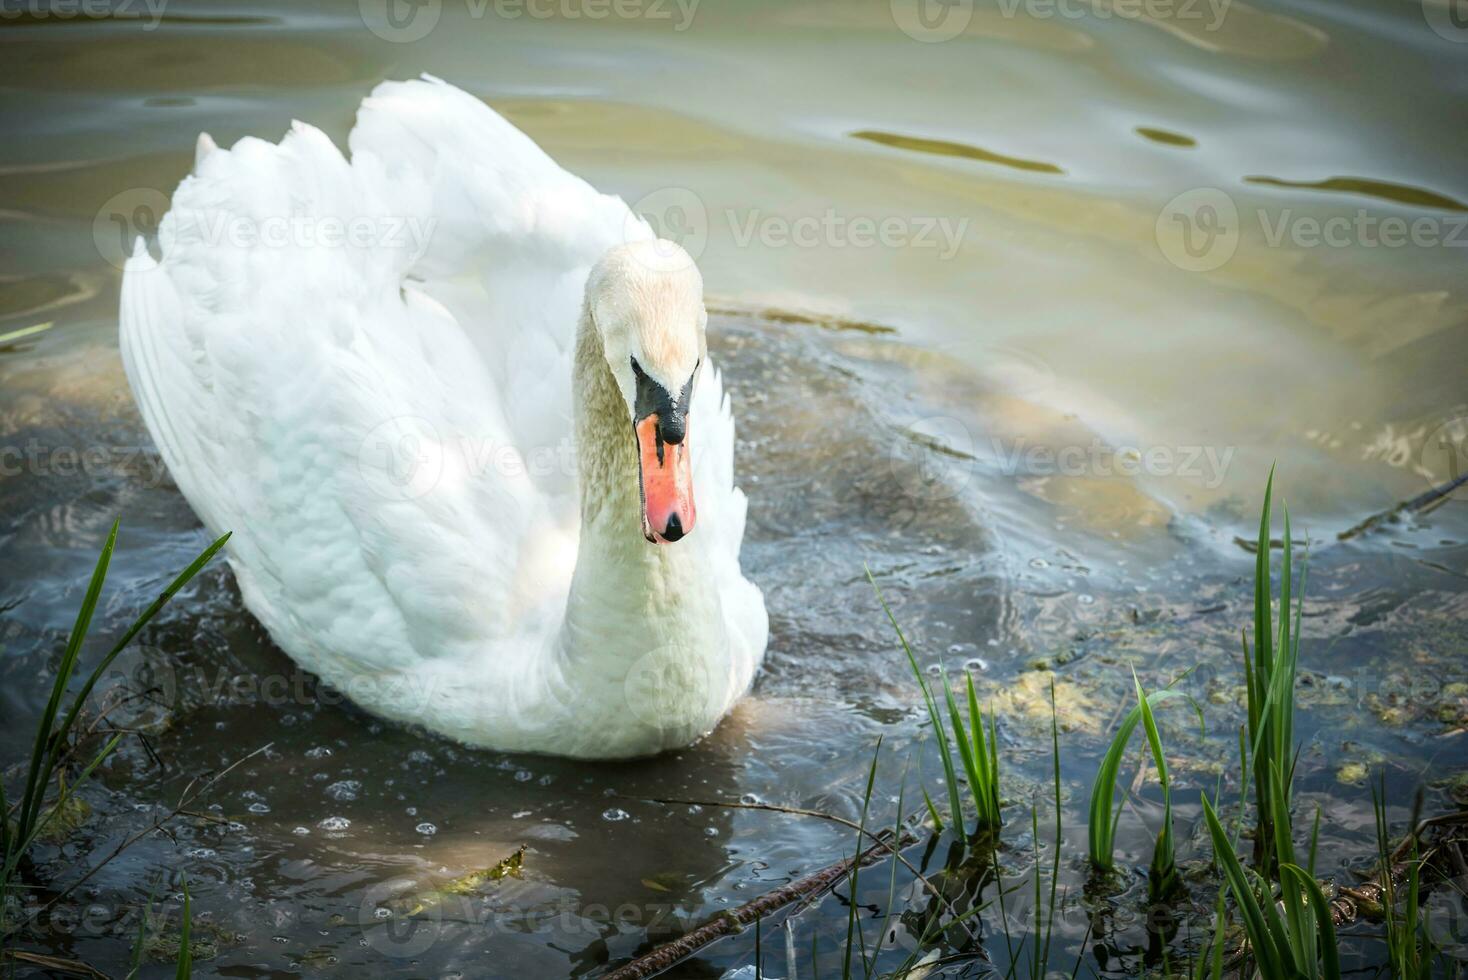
1291 934
1289 928
978 750
36 811
1410 951
1269 675
1105 808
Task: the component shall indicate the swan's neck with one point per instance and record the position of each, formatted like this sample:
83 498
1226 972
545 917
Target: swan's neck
627 595
644 660
611 502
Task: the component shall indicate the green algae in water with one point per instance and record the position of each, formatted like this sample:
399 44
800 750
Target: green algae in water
466 884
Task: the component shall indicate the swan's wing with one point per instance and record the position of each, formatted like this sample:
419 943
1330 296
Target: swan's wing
350 364
513 239
722 508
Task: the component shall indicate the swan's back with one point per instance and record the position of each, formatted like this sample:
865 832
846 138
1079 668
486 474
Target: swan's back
363 369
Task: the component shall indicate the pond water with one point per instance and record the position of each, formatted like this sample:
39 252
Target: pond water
1056 284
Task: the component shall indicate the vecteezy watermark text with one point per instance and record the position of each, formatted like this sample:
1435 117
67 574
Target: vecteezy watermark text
150 12
405 21
1201 229
1205 465
932 21
680 215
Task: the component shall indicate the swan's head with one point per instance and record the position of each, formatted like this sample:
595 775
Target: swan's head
646 300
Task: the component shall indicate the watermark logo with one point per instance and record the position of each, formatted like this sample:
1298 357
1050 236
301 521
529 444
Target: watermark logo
139 212
406 21
138 690
932 458
402 458
932 21
1447 18
400 21
676 215
1198 231
676 694
680 216
125 217
1445 916
395 925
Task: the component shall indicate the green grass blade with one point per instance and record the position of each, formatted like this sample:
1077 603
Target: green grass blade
853 926
1261 937
932 811
183 578
1329 949
1263 592
38 776
954 804
1104 810
67 792
986 755
141 942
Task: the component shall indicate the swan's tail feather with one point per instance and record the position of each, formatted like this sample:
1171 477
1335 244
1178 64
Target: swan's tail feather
149 312
202 150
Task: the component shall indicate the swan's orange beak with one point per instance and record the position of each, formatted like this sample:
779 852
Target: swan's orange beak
667 480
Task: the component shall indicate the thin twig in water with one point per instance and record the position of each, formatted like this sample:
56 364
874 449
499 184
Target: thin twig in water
732 921
188 796
909 838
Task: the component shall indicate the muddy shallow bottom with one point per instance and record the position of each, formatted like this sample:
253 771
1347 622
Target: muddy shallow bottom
308 856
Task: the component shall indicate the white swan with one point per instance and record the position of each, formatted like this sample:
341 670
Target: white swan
422 384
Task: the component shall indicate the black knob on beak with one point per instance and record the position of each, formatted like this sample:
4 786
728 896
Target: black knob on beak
672 427
674 530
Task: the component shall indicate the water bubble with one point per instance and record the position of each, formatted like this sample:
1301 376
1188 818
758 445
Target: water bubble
750 799
1039 563
711 831
934 670
426 829
319 752
258 807
335 823
302 831
344 790
1085 599
615 814
524 776
977 664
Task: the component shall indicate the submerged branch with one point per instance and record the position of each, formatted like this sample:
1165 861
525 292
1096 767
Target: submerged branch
733 921
1418 504
908 838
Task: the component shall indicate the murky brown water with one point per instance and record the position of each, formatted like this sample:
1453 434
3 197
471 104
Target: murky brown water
1128 263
